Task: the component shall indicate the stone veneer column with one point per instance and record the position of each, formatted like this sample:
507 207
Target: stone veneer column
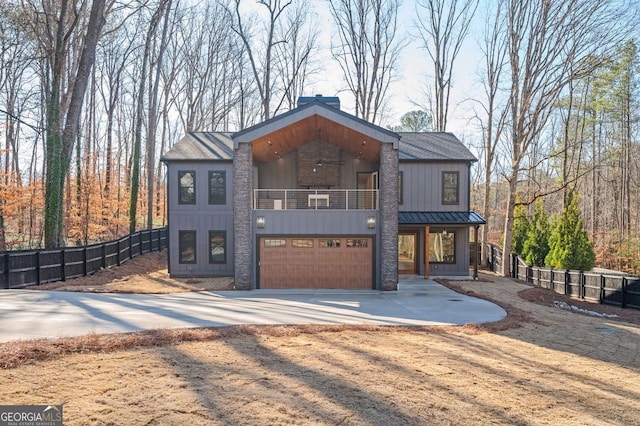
242 223
389 217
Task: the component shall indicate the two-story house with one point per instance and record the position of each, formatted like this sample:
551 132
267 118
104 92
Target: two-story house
317 198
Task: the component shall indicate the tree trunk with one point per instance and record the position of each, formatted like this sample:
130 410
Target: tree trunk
137 139
60 141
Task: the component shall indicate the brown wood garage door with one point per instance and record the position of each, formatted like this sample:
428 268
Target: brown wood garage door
316 263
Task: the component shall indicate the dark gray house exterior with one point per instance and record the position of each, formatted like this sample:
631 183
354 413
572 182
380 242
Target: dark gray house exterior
317 198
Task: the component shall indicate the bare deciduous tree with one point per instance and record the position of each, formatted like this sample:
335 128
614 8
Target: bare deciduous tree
295 64
163 6
550 44
368 50
63 118
260 49
443 26
494 50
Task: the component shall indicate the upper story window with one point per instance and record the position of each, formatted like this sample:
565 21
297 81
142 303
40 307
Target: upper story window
217 187
187 187
450 188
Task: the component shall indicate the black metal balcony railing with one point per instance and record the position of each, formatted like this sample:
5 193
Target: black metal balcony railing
316 199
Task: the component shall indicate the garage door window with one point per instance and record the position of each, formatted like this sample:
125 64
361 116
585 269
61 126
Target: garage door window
302 243
358 243
329 243
274 243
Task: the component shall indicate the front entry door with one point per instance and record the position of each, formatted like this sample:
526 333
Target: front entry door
407 253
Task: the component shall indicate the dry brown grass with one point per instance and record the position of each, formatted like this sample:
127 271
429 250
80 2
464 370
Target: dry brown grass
541 365
21 352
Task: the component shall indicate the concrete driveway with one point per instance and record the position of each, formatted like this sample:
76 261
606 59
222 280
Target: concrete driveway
29 314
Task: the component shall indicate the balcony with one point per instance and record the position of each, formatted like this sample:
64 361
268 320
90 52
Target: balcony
316 199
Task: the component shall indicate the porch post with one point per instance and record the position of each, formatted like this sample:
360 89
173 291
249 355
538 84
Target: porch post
475 253
242 215
426 252
389 217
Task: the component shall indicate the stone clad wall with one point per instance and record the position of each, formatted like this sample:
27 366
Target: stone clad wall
242 215
389 217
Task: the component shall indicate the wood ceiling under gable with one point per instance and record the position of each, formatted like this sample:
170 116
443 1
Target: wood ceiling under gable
287 139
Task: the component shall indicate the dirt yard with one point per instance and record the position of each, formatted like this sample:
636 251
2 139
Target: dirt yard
544 364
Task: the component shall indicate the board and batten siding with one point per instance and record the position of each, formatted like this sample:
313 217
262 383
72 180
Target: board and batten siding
201 217
461 267
316 222
278 174
422 186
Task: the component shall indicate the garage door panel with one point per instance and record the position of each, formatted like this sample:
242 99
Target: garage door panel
316 263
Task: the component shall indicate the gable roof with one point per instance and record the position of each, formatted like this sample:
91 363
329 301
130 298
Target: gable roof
412 146
434 146
319 108
201 146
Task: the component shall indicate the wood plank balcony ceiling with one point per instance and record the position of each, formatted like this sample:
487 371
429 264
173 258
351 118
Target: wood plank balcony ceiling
277 144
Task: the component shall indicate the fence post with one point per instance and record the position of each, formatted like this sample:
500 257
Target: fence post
582 282
104 255
38 267
5 284
491 259
566 282
514 266
84 261
624 290
118 252
64 266
602 284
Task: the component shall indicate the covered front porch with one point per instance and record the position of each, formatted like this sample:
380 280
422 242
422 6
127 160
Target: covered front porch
436 243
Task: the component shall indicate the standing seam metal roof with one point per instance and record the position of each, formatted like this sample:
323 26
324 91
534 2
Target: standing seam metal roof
413 146
202 146
442 146
441 218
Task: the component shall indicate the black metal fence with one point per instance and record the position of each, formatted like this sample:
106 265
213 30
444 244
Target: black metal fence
608 288
25 268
